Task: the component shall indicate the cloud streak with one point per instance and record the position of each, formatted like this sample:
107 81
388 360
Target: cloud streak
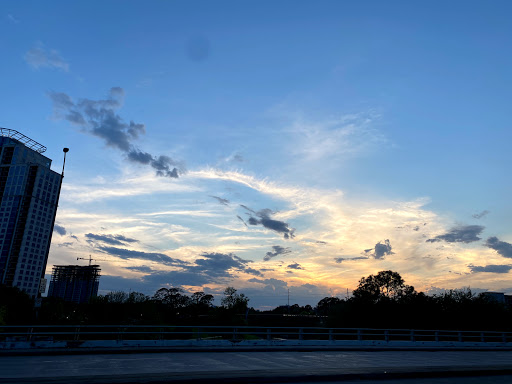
502 247
39 57
277 250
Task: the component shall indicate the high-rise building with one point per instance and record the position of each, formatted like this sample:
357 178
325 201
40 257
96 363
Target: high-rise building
76 283
29 192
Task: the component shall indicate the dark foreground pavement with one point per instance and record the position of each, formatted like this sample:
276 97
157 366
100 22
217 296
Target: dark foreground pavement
258 367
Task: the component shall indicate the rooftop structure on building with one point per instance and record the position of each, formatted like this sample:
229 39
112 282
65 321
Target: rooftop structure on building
75 283
29 192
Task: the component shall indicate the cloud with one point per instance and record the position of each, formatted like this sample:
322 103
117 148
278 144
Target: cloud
462 234
277 250
39 57
59 229
480 215
490 268
100 119
129 254
269 223
222 201
294 266
242 220
220 265
110 239
380 250
341 259
502 247
67 244
12 19
141 268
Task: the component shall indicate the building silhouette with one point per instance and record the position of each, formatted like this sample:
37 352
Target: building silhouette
76 283
29 192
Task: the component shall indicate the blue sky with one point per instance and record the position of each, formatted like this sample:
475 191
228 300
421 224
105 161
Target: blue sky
271 145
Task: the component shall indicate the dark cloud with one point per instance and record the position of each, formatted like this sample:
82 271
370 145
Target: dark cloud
320 242
152 256
294 266
490 268
480 215
265 219
222 201
502 247
341 259
74 237
247 208
381 249
164 165
242 220
68 244
99 118
110 239
275 284
59 229
462 234
252 271
277 250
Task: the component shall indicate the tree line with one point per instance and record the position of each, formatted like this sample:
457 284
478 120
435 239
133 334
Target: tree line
379 301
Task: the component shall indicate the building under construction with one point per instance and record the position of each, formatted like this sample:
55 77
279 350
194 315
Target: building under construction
75 283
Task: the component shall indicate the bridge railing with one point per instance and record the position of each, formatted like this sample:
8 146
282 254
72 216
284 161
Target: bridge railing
239 333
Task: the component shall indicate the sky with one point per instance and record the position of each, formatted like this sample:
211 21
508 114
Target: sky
279 147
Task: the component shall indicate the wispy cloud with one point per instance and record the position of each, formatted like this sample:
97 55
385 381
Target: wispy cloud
462 234
40 57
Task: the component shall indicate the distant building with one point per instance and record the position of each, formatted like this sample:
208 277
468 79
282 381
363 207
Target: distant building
75 283
29 192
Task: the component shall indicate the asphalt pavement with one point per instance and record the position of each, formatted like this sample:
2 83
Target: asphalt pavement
255 367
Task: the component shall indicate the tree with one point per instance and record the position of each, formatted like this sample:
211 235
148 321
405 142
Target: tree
234 301
386 285
202 299
172 297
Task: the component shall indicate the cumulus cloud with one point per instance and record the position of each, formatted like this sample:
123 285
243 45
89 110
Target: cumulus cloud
462 234
339 260
380 250
480 215
110 239
100 118
490 268
221 200
264 217
40 57
276 251
502 247
59 229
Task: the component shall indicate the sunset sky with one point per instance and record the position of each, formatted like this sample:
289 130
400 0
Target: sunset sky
271 145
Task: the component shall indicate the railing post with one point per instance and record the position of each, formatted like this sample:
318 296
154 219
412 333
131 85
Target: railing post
504 337
331 336
437 335
412 335
359 335
234 333
482 337
386 335
77 334
301 336
269 334
198 334
460 336
29 336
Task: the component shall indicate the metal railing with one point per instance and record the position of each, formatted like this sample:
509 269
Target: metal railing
239 333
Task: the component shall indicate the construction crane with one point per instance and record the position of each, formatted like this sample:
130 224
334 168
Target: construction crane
91 259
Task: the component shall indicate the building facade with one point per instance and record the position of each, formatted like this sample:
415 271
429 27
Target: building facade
76 283
29 192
